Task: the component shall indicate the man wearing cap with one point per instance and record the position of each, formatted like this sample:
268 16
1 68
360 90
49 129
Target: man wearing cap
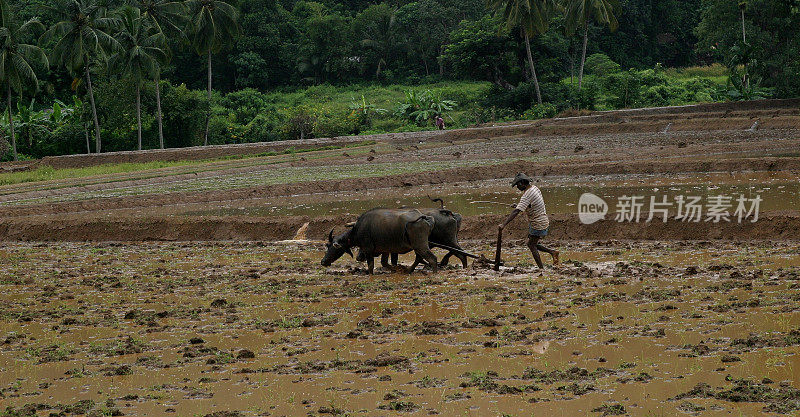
532 204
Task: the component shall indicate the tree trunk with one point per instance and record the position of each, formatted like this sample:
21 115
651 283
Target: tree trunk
572 60
208 113
745 82
744 34
533 69
139 115
572 72
583 54
11 125
158 112
441 61
94 110
86 133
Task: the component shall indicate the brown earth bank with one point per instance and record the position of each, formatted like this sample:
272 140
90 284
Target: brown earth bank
762 108
466 174
777 225
625 125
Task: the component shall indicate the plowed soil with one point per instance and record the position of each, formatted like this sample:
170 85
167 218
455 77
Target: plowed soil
251 329
181 291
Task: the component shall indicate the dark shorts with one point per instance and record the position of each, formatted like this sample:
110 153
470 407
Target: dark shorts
535 232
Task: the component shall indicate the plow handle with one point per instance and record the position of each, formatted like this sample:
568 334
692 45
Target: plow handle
499 248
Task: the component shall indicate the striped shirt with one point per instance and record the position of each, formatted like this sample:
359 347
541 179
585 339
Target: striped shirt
532 204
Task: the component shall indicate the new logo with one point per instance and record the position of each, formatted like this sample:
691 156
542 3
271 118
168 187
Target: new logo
591 208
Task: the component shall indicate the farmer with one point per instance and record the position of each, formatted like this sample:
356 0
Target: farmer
440 122
532 204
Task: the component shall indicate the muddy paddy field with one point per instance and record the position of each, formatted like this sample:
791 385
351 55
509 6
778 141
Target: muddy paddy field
172 291
660 328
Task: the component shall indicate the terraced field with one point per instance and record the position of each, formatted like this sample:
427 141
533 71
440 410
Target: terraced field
134 290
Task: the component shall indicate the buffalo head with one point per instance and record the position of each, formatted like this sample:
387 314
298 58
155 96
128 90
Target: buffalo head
336 247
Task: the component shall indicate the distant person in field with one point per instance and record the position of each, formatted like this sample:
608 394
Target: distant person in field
440 122
532 204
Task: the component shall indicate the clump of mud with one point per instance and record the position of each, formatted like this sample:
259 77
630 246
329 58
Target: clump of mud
782 399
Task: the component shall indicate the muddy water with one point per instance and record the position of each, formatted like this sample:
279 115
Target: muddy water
189 329
560 199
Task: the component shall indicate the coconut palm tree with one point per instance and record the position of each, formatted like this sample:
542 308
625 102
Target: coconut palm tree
213 25
579 13
17 59
532 17
82 37
167 17
142 49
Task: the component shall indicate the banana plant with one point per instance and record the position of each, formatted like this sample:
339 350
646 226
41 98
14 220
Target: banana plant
423 107
741 84
428 105
31 122
5 143
365 110
77 116
60 114
411 104
365 107
440 105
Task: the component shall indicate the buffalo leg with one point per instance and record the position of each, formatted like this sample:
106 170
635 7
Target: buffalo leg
385 261
417 261
445 259
420 260
371 264
463 259
460 256
425 254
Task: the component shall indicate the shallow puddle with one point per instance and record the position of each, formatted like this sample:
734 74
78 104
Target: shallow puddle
559 199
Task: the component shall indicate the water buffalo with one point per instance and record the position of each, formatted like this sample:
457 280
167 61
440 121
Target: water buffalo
445 232
380 231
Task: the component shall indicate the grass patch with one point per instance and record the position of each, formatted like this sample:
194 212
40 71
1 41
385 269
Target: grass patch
715 72
337 99
47 173
52 353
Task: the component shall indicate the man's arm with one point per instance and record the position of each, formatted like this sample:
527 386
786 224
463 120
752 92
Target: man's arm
510 217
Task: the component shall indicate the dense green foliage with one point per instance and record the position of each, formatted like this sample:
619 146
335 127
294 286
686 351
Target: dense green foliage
285 69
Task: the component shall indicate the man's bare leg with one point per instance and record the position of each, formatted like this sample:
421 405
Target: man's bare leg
552 252
532 244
